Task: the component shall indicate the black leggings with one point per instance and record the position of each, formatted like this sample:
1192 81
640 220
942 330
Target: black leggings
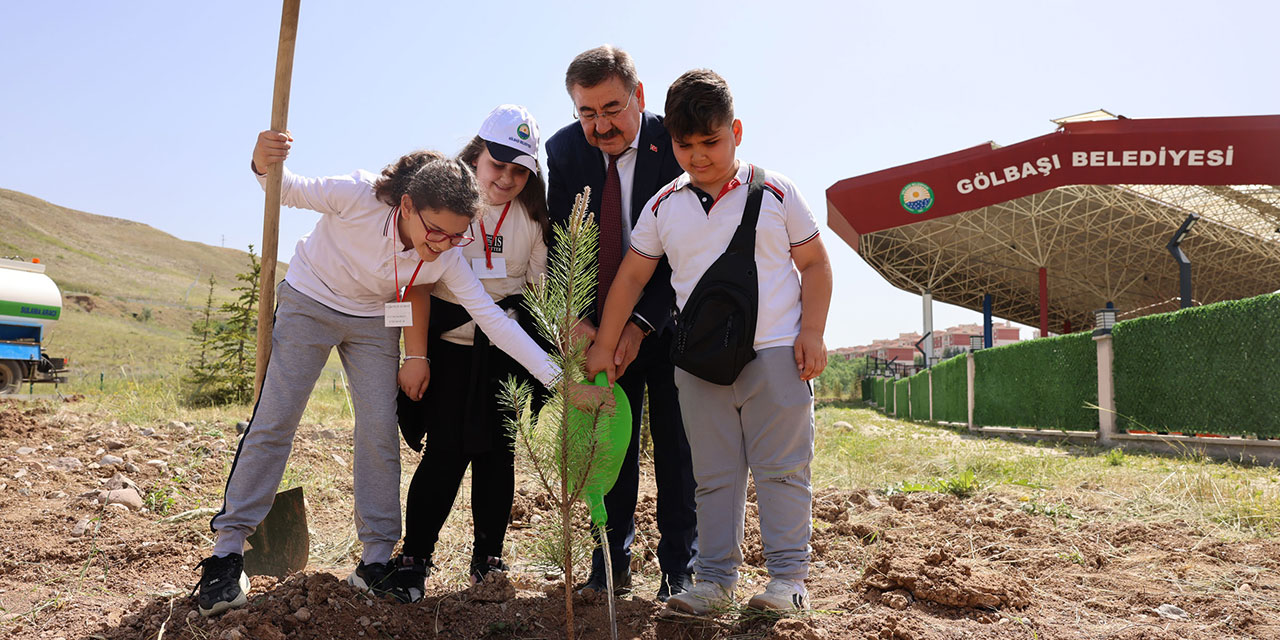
450 447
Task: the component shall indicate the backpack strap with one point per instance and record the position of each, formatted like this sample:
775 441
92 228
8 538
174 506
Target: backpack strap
744 238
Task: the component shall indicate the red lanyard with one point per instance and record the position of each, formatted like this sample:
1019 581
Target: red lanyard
395 264
488 246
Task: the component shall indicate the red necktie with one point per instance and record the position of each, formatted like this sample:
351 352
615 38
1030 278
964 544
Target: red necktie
610 255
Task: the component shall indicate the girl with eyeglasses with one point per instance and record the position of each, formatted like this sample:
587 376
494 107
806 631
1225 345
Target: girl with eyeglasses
377 234
458 412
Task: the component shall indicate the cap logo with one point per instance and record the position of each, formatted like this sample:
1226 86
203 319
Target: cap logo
523 131
916 197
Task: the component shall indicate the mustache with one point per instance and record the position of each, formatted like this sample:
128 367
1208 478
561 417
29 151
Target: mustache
608 135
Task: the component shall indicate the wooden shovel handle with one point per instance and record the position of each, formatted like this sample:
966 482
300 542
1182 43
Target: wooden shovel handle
271 214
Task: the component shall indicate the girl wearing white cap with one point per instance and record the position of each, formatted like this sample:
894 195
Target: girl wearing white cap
458 411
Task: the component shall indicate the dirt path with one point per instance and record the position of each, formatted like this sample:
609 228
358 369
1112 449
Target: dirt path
917 566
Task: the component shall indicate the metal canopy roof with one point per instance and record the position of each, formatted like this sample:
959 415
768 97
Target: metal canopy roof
1094 204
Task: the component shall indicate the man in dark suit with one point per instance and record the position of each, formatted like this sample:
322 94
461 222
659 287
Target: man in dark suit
624 154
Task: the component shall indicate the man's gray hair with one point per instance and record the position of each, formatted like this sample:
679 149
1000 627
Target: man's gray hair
593 66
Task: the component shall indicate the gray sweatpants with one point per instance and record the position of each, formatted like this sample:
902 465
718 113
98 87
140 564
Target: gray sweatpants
304 334
763 422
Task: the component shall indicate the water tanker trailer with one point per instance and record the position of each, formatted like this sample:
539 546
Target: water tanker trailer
30 303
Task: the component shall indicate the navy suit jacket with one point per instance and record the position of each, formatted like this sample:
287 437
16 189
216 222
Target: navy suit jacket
572 164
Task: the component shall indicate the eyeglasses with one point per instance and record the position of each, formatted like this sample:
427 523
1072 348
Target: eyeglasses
459 240
607 114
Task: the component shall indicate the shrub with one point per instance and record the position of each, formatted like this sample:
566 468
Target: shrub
951 390
1210 369
919 396
1046 383
901 408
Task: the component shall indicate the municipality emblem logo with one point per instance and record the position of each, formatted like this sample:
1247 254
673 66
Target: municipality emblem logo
916 197
523 131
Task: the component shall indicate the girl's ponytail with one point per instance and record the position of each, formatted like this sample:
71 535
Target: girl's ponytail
432 180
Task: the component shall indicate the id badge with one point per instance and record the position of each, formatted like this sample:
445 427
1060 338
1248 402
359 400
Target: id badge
398 314
483 271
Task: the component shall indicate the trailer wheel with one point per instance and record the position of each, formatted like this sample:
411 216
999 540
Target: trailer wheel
10 377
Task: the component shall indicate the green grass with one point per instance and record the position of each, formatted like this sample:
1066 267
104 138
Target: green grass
1055 480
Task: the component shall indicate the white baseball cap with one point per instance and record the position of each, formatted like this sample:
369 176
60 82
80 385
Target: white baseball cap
511 135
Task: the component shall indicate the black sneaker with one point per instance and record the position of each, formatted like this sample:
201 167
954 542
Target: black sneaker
223 585
674 584
377 579
409 576
481 567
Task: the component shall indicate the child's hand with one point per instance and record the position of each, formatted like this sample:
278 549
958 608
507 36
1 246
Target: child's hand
811 354
599 359
272 147
628 348
413 378
589 398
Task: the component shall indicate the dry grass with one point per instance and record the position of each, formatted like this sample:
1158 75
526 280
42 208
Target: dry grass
881 452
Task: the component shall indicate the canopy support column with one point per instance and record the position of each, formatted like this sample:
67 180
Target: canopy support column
927 297
987 333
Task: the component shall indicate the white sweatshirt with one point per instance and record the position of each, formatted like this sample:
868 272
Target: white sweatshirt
520 245
348 263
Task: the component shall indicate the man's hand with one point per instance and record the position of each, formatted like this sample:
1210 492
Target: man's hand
583 330
272 147
590 398
413 378
628 348
811 354
599 359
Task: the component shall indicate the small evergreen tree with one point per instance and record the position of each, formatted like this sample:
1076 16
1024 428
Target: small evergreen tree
202 376
568 448
237 344
222 369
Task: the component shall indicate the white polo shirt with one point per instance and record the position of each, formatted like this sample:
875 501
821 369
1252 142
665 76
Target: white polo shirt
675 224
349 262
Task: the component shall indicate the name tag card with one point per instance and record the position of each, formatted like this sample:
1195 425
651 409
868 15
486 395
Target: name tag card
483 271
398 314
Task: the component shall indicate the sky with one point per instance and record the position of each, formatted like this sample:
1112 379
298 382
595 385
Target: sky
149 110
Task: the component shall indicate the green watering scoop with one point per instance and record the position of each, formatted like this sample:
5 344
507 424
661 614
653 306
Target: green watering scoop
615 436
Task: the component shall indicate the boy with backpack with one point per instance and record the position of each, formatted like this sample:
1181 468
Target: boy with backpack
753 284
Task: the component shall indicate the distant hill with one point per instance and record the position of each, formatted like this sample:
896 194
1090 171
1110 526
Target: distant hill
130 292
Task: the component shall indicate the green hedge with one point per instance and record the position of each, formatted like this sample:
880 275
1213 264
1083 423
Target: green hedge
900 405
865 386
920 396
1043 383
1210 369
951 390
888 396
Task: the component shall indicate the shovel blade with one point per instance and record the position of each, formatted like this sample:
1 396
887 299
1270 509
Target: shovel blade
281 544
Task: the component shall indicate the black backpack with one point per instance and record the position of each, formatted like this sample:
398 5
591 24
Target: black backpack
715 332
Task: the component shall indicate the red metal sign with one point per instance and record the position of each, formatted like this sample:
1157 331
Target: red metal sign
1208 151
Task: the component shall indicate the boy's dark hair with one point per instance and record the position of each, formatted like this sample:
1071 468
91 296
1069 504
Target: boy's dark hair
533 196
433 181
597 65
698 102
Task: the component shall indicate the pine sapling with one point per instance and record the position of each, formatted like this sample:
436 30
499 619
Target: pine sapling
567 445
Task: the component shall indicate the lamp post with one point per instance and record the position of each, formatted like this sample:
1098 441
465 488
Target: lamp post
1184 265
1103 321
975 343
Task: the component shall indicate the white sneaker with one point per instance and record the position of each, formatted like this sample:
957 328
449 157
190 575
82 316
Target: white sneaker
782 595
702 598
